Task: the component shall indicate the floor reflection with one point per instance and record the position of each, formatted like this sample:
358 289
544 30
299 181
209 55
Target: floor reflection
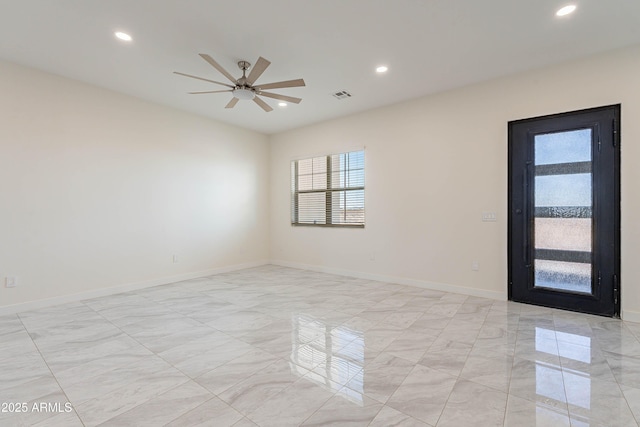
549 382
558 382
328 355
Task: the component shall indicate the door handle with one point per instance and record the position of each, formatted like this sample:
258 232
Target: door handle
525 219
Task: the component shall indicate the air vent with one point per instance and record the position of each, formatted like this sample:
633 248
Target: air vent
343 94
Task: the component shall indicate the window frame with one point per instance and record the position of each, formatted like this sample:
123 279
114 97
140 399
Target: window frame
328 191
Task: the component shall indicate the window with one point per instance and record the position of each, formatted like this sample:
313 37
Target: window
328 191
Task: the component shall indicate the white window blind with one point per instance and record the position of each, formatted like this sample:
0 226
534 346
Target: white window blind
328 190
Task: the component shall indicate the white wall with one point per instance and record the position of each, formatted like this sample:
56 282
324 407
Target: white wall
434 164
98 189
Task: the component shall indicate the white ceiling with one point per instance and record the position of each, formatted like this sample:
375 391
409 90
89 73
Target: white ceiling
429 46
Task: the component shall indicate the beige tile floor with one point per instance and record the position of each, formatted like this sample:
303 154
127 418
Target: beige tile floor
274 346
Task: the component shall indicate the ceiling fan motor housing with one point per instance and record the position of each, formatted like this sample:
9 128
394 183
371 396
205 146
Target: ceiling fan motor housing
243 90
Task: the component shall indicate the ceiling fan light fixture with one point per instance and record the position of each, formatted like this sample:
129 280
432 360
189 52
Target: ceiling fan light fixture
243 93
382 69
282 104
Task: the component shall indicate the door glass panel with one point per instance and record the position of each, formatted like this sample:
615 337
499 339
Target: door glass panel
563 190
561 275
572 234
563 197
563 147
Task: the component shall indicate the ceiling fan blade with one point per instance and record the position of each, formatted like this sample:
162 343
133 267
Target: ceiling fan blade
257 70
278 85
232 103
262 104
281 97
218 67
206 80
209 91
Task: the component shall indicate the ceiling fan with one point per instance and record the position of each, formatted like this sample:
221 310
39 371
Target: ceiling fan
245 87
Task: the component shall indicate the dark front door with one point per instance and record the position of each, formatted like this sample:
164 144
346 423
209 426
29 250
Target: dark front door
564 211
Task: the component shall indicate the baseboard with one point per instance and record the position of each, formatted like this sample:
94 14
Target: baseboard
630 316
627 315
500 296
112 290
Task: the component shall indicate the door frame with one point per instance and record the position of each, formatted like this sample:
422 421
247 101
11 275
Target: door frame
558 123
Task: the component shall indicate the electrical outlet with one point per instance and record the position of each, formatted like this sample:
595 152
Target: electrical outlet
475 266
372 256
175 259
10 282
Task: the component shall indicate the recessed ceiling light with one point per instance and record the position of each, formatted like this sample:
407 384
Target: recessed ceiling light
382 69
123 36
282 104
566 10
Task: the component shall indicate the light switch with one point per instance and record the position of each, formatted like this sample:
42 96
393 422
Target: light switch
489 217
